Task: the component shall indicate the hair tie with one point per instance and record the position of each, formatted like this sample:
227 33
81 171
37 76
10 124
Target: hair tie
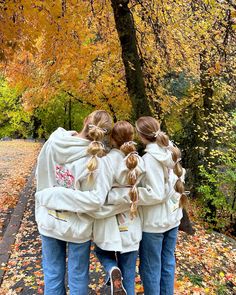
156 133
133 174
178 160
127 143
90 126
101 143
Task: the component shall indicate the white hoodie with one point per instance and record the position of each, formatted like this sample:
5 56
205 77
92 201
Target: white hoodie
166 214
115 233
130 231
61 165
158 201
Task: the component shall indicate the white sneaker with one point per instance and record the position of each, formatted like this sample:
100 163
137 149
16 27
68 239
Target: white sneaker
117 287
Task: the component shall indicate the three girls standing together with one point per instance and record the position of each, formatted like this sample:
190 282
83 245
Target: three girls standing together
123 202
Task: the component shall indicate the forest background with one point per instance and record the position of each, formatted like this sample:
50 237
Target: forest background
172 59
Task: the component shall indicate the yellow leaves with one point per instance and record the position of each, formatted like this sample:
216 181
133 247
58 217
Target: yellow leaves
215 70
67 50
221 274
210 2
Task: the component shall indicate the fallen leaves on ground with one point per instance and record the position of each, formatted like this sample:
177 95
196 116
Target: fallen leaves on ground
17 158
206 263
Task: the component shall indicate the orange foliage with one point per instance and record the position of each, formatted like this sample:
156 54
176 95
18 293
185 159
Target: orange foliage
72 48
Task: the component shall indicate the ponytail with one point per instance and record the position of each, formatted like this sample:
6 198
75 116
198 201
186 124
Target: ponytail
95 149
99 124
149 128
177 169
131 160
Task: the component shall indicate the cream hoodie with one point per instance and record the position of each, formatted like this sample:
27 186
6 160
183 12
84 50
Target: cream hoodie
130 230
166 214
115 233
62 165
158 200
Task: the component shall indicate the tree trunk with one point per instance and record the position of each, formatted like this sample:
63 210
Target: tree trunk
69 114
134 76
207 93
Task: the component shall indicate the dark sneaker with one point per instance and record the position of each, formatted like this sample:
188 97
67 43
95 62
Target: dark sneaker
117 287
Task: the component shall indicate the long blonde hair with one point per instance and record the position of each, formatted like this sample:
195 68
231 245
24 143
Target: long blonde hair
96 126
123 135
149 128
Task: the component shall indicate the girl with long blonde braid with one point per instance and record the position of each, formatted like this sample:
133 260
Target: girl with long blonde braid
165 175
69 161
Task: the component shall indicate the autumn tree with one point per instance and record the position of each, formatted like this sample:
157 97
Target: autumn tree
132 61
72 53
173 59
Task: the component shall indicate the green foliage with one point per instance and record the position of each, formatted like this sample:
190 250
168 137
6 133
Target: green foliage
58 112
14 121
218 189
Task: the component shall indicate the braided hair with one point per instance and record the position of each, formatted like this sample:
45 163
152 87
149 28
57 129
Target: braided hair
96 125
149 129
123 134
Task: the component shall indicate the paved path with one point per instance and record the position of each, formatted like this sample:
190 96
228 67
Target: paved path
22 273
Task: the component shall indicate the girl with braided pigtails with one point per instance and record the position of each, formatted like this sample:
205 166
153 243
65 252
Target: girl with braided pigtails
165 175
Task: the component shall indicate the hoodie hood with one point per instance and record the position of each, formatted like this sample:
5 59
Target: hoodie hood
117 160
66 147
161 154
60 152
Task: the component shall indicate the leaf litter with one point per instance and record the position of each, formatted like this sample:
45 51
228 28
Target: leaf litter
206 262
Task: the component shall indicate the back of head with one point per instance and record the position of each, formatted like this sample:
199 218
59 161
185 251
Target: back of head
123 135
149 129
96 126
122 132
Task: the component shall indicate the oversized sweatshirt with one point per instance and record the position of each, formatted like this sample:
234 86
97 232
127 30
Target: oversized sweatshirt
158 201
62 165
115 233
165 214
130 229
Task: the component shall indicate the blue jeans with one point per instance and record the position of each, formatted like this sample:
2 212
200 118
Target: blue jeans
54 266
157 262
126 263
